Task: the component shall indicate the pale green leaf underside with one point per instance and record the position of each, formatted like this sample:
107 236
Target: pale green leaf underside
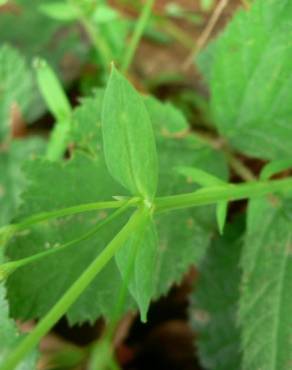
215 302
249 72
129 144
266 302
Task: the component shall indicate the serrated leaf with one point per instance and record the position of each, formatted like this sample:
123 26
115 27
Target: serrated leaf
16 87
250 80
60 10
86 124
215 301
9 334
266 304
134 261
54 186
11 177
165 117
129 144
183 237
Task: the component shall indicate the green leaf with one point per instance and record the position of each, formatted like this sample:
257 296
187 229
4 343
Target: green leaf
86 124
266 304
104 14
62 11
183 236
15 87
250 80
53 186
166 119
215 302
134 261
9 334
275 167
206 5
129 144
52 91
12 180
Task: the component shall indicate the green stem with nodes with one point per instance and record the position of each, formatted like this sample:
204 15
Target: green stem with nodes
72 294
138 32
8 268
208 196
220 193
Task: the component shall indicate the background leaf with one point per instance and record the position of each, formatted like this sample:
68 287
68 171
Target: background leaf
16 87
250 80
266 304
12 180
215 302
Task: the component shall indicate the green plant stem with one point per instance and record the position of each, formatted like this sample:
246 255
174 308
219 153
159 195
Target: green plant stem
138 32
59 140
72 294
8 268
216 194
98 361
202 197
96 38
236 165
82 208
97 41
177 33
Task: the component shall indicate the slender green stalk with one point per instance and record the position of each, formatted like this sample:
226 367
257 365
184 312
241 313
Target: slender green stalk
138 32
177 33
97 41
216 194
58 142
82 208
8 268
72 294
102 360
96 38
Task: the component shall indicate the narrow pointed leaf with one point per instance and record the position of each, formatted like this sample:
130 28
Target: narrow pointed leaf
59 10
275 167
128 139
205 179
137 261
52 91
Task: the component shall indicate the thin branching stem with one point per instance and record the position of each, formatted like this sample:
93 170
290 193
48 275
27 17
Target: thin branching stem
138 32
